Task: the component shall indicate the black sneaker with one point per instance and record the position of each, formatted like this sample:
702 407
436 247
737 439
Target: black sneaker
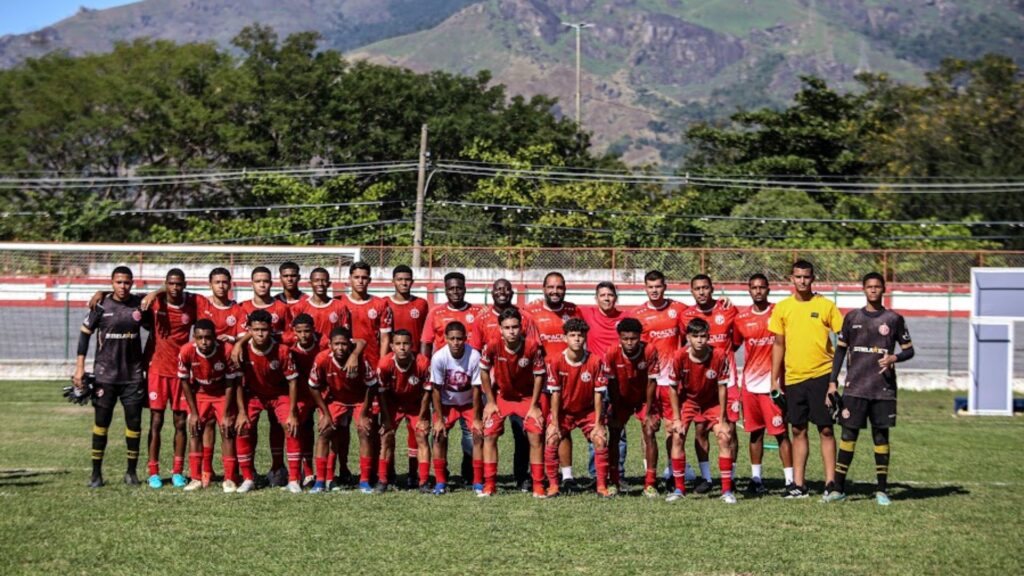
131 479
380 488
96 482
526 485
412 482
793 491
570 485
426 489
703 487
756 488
829 488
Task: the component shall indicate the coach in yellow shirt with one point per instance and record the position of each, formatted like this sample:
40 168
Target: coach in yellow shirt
802 325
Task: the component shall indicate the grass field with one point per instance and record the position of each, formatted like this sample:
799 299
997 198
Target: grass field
958 507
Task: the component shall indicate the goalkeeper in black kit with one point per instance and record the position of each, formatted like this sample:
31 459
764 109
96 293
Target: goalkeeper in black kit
875 339
118 366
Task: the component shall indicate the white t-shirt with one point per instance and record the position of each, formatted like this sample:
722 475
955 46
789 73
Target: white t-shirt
455 377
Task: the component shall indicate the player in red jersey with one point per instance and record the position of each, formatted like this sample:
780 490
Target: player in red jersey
341 398
697 393
720 316
455 393
549 317
603 319
403 375
515 361
487 326
208 383
457 310
372 320
268 384
409 313
327 311
173 313
305 343
226 314
577 385
631 369
289 275
760 413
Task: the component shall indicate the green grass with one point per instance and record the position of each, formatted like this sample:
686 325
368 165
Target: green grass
958 507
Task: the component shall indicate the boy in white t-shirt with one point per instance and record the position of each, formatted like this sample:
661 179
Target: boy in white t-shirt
455 393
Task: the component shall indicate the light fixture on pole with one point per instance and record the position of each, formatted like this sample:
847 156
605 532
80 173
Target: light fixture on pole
578 26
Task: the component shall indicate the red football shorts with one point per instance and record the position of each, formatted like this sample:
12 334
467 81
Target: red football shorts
279 405
621 411
495 425
452 414
760 413
569 422
165 390
733 401
343 414
409 412
210 407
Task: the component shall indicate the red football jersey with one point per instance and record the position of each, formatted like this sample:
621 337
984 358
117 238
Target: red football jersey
268 373
304 359
441 316
513 371
172 329
631 375
332 378
549 324
410 315
370 318
750 330
326 317
229 320
603 333
577 382
487 327
291 303
663 327
720 320
698 382
209 373
280 315
406 386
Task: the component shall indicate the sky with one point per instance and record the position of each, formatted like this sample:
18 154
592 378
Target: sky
20 16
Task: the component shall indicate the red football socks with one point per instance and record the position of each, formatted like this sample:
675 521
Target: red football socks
478 471
440 475
725 469
365 466
321 468
208 460
423 469
650 477
551 464
601 467
230 468
490 477
179 465
154 467
195 464
679 473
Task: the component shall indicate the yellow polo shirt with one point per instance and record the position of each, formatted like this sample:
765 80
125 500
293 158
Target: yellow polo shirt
806 327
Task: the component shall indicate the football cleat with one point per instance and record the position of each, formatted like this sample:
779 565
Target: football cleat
206 478
833 496
294 487
728 497
570 485
650 492
882 499
538 492
131 479
526 486
155 481
484 494
478 488
193 485
178 481
703 487
675 496
756 488
246 486
96 482
318 488
229 487
793 492
365 488
440 488
425 489
308 481
552 491
412 482
380 488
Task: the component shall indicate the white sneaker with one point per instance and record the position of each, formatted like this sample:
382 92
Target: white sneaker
729 498
308 481
294 488
193 485
229 487
246 486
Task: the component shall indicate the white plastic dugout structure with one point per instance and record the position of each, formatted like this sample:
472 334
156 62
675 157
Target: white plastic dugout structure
997 304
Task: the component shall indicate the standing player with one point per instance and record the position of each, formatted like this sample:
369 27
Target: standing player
208 383
869 336
305 343
512 376
173 313
577 385
760 413
802 354
410 314
631 368
327 311
403 375
720 316
455 392
288 274
268 382
699 377
227 316
118 365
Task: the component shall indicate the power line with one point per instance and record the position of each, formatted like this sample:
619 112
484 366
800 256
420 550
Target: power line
214 209
309 231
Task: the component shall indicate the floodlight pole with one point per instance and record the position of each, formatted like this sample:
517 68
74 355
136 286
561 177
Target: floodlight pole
578 26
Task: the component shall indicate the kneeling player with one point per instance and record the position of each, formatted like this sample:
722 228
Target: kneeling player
630 368
340 399
208 382
577 385
514 362
455 390
403 374
699 376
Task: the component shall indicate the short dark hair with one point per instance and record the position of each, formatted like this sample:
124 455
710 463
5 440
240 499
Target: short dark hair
510 312
630 325
608 285
122 270
204 324
359 265
803 265
340 331
654 276
175 273
259 316
550 274
757 276
303 319
289 265
697 326
319 270
401 269
575 325
701 276
260 270
220 271
454 326
401 332
455 276
872 276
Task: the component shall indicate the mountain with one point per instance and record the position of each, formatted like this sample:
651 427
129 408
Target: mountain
650 67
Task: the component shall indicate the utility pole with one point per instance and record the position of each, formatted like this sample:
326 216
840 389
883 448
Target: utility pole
421 181
578 26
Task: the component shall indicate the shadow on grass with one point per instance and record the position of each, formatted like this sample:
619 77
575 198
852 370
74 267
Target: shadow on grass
898 491
24 477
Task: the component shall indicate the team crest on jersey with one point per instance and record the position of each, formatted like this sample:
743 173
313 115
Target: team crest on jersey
230 321
672 313
333 317
137 315
153 396
719 319
274 317
414 380
883 329
585 376
414 313
372 314
274 364
218 366
846 413
642 365
184 318
777 420
524 362
711 374
565 317
99 392
469 318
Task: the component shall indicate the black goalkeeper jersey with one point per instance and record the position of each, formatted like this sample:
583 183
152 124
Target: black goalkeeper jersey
867 336
117 326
